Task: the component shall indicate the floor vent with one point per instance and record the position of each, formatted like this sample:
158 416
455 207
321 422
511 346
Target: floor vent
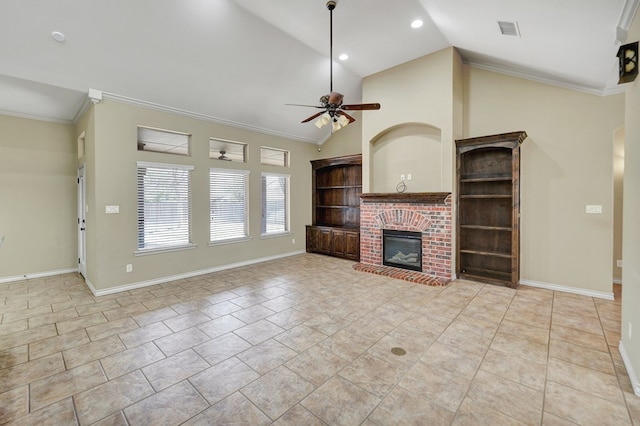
398 351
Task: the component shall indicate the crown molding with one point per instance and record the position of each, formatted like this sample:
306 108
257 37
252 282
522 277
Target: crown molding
83 108
629 10
35 117
542 79
191 114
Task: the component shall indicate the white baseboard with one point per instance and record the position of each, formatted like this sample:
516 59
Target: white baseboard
567 289
635 382
190 274
35 275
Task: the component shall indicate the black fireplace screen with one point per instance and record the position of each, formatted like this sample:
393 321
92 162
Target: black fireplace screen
402 249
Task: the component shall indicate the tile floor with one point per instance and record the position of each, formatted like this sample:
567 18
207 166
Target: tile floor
307 341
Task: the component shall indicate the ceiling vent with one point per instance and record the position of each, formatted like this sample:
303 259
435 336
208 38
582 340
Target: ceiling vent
509 28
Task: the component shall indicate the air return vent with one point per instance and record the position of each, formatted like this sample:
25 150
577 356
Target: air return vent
509 28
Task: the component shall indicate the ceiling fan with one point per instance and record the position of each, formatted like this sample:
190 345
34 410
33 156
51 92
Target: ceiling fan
333 110
223 156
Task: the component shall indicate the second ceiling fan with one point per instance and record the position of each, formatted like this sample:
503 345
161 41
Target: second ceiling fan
333 110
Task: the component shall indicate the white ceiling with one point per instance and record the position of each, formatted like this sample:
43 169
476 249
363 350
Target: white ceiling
241 61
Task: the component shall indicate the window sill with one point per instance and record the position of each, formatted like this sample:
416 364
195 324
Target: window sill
275 235
229 241
145 252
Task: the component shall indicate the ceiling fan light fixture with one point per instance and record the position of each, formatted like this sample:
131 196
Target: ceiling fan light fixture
343 121
324 119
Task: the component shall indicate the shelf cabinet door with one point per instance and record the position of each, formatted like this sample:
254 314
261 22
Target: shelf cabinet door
339 242
488 198
319 240
352 245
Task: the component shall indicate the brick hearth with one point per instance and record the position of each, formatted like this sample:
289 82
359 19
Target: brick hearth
428 213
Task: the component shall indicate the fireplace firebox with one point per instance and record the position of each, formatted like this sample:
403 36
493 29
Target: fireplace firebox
402 249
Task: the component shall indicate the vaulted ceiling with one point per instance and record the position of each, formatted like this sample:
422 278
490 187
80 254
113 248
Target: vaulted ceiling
241 61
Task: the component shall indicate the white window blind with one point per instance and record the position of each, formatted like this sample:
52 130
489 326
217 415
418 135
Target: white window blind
228 204
275 203
164 206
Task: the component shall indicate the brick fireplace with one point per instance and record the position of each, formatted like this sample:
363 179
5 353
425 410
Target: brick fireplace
428 213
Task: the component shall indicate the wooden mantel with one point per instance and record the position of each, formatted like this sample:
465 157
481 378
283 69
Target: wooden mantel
409 198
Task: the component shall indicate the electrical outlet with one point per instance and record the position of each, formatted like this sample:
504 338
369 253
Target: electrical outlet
409 176
402 178
129 267
293 241
619 263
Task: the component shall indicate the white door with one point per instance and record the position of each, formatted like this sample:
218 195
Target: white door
82 244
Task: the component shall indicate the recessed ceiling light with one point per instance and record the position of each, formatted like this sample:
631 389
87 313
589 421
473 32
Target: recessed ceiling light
417 23
343 57
57 36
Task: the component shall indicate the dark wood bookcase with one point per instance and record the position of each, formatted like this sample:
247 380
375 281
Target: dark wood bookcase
335 228
488 197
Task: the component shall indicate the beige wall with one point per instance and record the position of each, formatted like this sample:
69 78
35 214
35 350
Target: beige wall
112 171
346 141
410 150
37 197
567 163
631 241
419 92
618 186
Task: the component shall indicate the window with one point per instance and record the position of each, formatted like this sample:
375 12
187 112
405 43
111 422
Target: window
224 150
228 204
164 206
275 203
166 141
274 157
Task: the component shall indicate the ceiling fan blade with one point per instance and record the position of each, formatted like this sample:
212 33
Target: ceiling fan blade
306 120
351 119
310 106
360 107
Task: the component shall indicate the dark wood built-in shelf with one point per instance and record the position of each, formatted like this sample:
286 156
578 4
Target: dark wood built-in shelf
337 185
488 222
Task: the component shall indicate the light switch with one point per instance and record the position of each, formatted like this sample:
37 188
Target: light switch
112 209
593 209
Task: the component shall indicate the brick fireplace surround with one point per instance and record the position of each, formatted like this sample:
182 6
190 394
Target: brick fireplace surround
425 212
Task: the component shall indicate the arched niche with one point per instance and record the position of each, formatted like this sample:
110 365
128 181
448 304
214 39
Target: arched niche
407 149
